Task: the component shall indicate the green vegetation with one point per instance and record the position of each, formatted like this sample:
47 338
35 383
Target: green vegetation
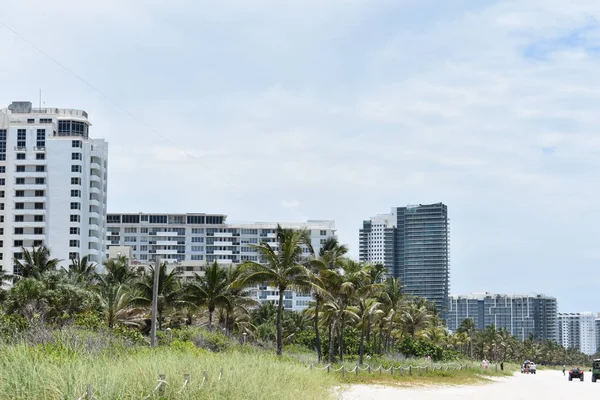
62 329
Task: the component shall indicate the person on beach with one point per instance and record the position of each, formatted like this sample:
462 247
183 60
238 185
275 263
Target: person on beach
564 368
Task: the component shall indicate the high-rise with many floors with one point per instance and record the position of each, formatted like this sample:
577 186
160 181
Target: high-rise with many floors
520 315
578 330
188 241
52 184
414 244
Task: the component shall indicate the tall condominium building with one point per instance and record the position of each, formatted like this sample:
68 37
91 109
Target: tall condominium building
578 330
52 184
520 315
188 241
597 324
413 243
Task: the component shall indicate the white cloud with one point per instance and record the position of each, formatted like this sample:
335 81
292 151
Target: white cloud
341 109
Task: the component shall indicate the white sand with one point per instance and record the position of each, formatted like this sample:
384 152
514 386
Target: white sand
545 385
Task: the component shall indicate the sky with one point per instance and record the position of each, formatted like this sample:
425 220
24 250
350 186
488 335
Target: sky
275 110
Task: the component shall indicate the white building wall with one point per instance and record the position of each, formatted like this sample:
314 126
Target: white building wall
51 200
189 246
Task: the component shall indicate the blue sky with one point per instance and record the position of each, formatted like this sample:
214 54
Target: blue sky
341 109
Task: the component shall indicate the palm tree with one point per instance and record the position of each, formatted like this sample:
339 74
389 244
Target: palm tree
367 310
118 271
467 326
330 255
345 284
117 303
210 290
169 291
35 263
415 317
393 298
282 268
82 270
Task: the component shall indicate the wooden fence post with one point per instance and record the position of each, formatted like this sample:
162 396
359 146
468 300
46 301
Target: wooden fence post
162 388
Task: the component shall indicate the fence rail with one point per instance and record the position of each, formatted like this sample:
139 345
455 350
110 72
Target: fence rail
161 384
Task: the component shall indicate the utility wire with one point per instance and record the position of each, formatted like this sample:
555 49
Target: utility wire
110 100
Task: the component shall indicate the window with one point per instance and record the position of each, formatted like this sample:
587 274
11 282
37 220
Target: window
75 206
143 248
74 218
38 231
73 256
323 233
20 206
74 230
20 156
20 181
2 169
197 239
1 193
39 193
37 243
2 144
19 193
2 182
195 219
143 230
41 138
131 219
197 230
19 218
18 243
18 231
76 143
30 120
40 181
20 168
75 168
1 206
40 156
38 218
39 206
197 248
21 138
75 181
75 193
75 156
40 168
113 218
45 120
132 239
158 219
18 256
73 243
131 230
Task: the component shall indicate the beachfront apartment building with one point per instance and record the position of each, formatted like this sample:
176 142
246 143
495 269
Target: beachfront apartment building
578 330
53 181
187 242
413 243
521 315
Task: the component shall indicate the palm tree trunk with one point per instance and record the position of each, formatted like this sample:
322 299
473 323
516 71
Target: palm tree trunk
279 327
210 318
341 340
361 349
388 334
317 335
331 340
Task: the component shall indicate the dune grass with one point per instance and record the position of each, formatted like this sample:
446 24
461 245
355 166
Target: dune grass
35 372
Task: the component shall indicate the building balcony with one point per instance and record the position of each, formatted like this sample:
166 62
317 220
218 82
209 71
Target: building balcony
96 190
94 226
220 244
166 233
223 252
225 262
95 178
29 199
31 174
39 149
30 186
166 242
20 148
94 202
94 239
95 165
166 251
26 224
271 235
223 234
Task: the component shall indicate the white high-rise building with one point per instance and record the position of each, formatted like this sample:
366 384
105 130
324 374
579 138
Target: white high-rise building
578 330
187 242
52 184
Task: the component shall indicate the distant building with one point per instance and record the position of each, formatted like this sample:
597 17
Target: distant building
413 243
597 324
578 330
187 242
53 181
520 315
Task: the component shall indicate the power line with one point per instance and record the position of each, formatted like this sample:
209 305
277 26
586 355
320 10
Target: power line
110 100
